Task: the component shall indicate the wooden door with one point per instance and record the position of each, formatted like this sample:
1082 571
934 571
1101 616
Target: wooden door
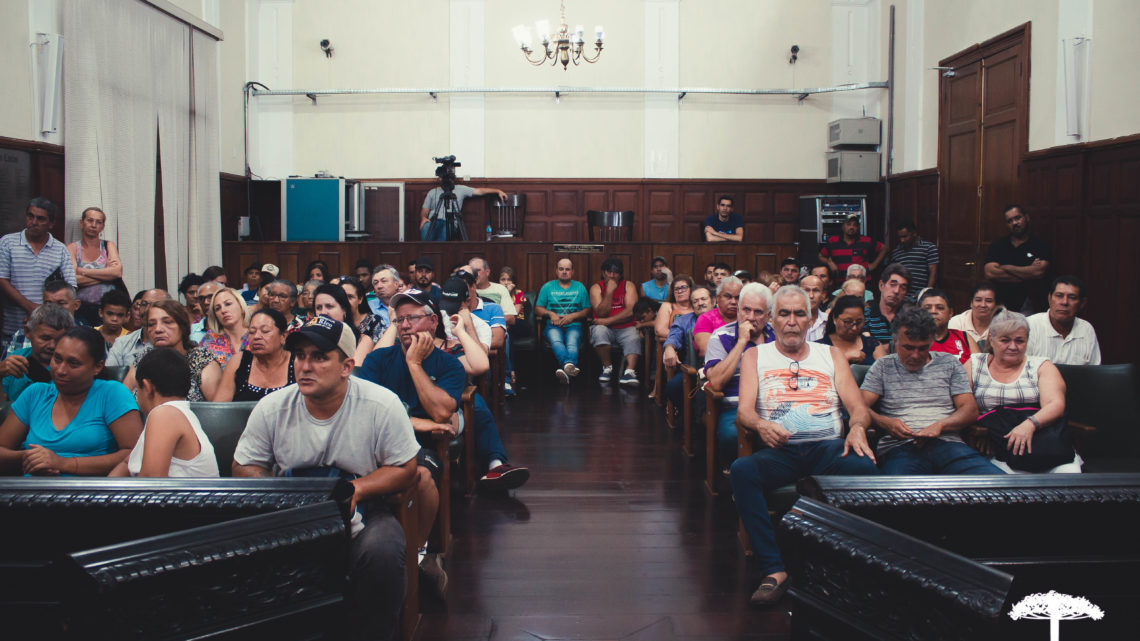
983 136
382 213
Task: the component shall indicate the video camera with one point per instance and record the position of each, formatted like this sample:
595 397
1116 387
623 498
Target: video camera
446 172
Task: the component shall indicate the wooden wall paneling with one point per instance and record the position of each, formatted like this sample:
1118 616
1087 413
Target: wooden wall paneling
1119 342
233 190
49 183
596 199
290 265
664 220
765 261
535 225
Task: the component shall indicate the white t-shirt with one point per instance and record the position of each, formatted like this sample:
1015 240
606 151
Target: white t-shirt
1080 347
204 465
482 329
369 431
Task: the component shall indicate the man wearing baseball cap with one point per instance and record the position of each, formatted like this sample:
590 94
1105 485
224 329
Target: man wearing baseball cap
332 424
425 272
842 251
430 382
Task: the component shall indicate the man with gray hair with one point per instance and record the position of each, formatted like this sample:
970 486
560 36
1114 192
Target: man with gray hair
386 283
727 297
924 400
790 396
722 358
492 291
57 292
24 366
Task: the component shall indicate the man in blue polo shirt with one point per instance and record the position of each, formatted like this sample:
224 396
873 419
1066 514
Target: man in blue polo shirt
724 225
657 287
27 258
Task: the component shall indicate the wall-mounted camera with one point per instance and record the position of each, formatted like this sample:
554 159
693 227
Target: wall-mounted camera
795 55
327 48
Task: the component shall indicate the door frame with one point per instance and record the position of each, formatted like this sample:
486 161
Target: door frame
1019 37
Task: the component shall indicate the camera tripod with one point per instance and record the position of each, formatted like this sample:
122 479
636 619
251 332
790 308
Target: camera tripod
448 208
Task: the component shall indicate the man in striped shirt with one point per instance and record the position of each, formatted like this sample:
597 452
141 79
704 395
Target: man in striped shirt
919 256
27 258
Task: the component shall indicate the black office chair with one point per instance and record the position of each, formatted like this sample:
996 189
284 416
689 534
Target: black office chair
612 225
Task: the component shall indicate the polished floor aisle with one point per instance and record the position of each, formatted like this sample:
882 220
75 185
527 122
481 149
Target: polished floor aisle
613 538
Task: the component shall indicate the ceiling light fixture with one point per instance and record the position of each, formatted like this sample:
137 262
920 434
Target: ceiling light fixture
564 47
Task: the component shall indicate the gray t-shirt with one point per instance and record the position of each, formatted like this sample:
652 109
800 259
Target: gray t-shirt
917 398
370 430
462 193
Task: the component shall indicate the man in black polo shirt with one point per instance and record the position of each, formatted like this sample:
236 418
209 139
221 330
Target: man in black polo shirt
1017 264
893 286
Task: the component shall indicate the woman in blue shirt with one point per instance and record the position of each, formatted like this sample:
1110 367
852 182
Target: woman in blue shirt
76 425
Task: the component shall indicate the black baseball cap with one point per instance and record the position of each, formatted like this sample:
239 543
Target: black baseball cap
659 259
455 291
327 334
424 261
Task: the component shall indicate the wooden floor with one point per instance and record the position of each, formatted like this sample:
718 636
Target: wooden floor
614 537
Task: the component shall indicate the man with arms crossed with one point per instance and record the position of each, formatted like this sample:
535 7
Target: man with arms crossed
332 422
790 394
724 225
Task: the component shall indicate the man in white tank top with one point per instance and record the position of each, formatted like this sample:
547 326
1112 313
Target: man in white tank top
790 394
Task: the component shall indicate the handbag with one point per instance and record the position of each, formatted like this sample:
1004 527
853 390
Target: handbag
1052 444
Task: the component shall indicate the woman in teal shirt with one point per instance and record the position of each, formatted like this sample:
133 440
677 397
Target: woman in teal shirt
76 425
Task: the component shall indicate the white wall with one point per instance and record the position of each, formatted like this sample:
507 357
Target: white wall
658 43
16 120
706 43
945 28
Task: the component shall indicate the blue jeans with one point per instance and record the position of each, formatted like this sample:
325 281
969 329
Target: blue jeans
434 230
936 457
564 341
488 444
726 433
769 469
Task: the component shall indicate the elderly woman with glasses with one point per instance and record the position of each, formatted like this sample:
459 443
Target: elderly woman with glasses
845 331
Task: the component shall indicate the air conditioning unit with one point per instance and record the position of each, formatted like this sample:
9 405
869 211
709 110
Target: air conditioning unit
853 166
854 132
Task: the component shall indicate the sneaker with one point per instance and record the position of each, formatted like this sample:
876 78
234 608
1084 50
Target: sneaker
562 377
607 372
629 379
433 576
504 477
571 369
508 389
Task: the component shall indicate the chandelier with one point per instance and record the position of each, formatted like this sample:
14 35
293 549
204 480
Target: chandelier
564 47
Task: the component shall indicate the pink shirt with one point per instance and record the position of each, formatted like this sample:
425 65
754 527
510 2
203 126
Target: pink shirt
709 322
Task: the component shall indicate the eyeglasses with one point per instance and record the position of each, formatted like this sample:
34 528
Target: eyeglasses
277 295
141 304
852 324
410 318
680 288
204 297
794 378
